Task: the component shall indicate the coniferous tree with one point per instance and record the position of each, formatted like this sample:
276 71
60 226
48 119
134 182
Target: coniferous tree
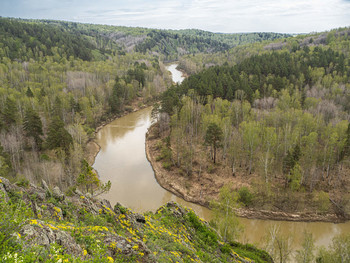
10 113
29 92
116 100
58 136
213 137
33 127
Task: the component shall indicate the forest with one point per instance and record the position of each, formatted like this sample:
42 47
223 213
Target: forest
60 80
278 120
56 87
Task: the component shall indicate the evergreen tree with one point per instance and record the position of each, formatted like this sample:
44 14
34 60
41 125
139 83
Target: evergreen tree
10 113
117 98
5 163
29 93
58 136
291 159
213 137
32 126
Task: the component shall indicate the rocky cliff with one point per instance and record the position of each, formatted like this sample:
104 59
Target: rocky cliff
39 224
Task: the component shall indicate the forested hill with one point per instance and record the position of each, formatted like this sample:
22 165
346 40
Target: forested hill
174 43
233 39
279 120
278 66
25 39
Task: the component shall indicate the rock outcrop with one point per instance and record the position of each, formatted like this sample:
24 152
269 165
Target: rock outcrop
75 227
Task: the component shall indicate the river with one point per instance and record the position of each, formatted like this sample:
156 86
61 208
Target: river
122 160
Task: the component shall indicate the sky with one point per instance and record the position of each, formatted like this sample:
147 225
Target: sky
226 16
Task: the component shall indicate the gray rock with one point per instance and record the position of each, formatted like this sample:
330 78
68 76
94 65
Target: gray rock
115 242
140 218
6 183
57 193
41 196
44 234
88 195
106 203
3 192
177 210
45 186
78 192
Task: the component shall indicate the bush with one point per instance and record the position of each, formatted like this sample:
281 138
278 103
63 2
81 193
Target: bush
205 232
245 196
23 182
322 201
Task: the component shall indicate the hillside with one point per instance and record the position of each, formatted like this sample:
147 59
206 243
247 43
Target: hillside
39 224
26 39
275 126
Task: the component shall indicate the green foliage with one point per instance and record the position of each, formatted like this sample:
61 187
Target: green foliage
192 41
245 196
291 159
25 40
322 200
277 70
10 113
213 137
165 156
295 178
338 252
12 215
224 216
5 163
32 126
306 254
58 136
23 182
89 180
250 251
205 233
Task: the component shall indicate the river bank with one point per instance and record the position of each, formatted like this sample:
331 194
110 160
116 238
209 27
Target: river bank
202 189
92 147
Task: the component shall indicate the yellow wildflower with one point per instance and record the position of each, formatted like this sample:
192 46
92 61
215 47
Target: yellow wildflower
82 197
111 260
84 252
136 247
33 222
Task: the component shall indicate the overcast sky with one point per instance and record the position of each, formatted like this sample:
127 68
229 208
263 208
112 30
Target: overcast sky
227 16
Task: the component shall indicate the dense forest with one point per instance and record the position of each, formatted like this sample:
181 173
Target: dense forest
57 85
97 41
279 118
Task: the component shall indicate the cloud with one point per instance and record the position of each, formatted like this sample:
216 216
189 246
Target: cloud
213 15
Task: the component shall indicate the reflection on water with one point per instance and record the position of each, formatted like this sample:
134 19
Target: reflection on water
175 74
122 160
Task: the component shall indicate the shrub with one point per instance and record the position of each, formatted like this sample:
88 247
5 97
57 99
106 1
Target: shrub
245 196
23 182
322 200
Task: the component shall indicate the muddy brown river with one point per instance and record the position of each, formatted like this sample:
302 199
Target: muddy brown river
122 160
